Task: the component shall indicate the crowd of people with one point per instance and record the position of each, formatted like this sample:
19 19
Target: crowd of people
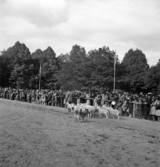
142 106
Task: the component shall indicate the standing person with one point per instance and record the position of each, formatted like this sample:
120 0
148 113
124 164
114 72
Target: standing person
158 108
106 99
114 101
99 98
149 102
125 106
22 96
92 98
135 105
8 93
53 99
119 99
142 103
12 97
102 99
17 97
33 96
5 93
63 99
74 98
69 97
88 98
56 98
82 97
131 99
78 94
96 100
49 98
29 96
153 108
60 98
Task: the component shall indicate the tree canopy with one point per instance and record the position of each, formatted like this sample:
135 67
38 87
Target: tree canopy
135 66
77 69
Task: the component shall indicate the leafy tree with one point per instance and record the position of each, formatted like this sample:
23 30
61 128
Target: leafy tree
152 78
100 69
17 53
12 58
134 66
72 67
77 69
24 75
93 71
78 58
4 71
49 67
62 58
37 54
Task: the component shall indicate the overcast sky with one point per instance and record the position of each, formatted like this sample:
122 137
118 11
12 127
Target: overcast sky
119 24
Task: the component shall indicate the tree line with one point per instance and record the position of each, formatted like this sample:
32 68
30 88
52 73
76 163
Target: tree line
77 70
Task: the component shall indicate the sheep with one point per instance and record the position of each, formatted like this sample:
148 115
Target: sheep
91 109
114 112
104 111
70 106
80 112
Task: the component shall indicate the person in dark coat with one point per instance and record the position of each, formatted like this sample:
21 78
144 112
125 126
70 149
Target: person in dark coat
149 102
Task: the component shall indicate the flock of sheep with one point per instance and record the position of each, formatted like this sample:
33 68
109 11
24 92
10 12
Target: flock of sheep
84 111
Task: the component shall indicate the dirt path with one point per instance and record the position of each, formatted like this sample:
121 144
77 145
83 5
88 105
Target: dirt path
42 136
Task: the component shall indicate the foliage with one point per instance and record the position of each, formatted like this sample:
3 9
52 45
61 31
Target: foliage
134 66
77 69
152 78
4 71
70 76
11 58
93 71
24 75
49 67
100 69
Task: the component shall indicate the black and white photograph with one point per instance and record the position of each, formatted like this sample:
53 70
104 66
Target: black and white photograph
79 83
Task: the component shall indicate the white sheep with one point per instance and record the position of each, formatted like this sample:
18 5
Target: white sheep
91 109
103 111
80 112
114 112
70 106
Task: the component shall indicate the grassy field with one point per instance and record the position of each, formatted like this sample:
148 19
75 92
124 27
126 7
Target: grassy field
43 136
